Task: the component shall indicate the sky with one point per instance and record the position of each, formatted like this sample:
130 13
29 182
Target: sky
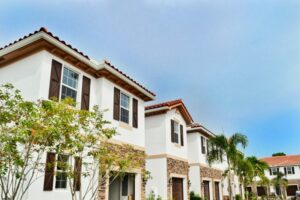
236 64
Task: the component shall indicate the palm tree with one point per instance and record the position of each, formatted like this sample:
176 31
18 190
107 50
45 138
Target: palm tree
280 182
245 172
265 182
259 168
223 148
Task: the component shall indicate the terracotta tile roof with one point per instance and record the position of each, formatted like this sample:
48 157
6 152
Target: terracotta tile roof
178 103
43 29
282 160
165 104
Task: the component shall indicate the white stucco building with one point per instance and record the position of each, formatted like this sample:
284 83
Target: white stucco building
207 181
43 66
167 151
288 165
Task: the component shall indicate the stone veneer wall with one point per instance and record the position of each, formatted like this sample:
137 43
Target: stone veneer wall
139 157
177 167
212 174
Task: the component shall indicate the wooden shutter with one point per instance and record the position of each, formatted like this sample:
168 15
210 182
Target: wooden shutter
293 170
285 171
77 174
134 113
55 79
270 171
202 145
172 131
125 186
85 94
181 135
116 104
277 170
49 172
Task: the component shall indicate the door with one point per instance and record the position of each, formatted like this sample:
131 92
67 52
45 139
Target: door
177 188
206 190
122 188
291 190
217 191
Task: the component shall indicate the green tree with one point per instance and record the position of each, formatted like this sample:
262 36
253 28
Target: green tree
226 149
30 129
278 154
281 183
245 172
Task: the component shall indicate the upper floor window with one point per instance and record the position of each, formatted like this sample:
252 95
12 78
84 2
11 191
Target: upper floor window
124 114
176 131
274 170
69 84
289 170
61 175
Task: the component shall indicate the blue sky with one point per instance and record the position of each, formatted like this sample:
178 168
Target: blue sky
236 64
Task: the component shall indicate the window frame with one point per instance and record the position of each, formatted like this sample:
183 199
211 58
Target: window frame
176 134
61 171
77 90
274 169
289 168
122 107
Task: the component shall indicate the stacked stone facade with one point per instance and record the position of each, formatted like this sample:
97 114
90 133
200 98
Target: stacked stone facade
212 175
137 157
177 167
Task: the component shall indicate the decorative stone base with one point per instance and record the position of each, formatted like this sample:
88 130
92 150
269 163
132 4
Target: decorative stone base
180 168
213 175
136 156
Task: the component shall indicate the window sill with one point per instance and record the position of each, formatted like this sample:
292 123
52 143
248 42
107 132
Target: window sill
125 125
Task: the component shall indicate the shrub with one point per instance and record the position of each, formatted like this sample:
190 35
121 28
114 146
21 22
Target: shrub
238 197
194 196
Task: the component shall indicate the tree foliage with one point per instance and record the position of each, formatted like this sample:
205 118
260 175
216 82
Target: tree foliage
30 129
278 154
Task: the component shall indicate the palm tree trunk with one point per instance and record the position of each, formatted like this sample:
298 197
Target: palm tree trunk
229 180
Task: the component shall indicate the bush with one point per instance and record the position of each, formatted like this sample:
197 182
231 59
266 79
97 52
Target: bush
238 197
194 196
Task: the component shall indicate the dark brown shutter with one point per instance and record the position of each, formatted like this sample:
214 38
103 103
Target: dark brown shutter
293 170
172 131
116 104
55 78
49 172
134 113
270 172
125 185
85 95
181 135
202 145
77 174
285 171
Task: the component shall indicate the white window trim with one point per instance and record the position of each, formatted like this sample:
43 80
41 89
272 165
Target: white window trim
273 171
78 94
291 170
128 109
56 159
178 131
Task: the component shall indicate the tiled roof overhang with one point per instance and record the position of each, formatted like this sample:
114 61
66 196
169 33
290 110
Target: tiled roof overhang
281 161
45 40
198 128
164 107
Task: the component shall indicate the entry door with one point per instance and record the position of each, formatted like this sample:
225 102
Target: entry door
122 188
206 189
177 188
217 191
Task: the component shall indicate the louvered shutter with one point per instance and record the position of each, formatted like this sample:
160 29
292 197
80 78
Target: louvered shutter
285 171
55 79
49 171
77 174
181 135
293 170
172 131
134 113
277 170
202 145
270 172
85 94
116 104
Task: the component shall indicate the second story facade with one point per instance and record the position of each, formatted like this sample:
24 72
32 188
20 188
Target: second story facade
42 66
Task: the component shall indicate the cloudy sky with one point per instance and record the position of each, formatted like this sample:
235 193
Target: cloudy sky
236 64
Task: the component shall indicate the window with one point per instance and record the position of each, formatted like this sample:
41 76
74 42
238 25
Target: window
124 114
274 170
290 170
61 175
176 132
69 84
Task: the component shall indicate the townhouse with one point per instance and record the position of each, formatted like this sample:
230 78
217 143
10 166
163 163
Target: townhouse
43 66
207 180
288 165
166 148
